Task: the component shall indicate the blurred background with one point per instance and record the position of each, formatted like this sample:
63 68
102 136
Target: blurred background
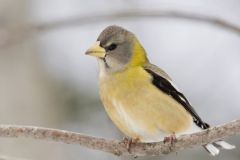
46 80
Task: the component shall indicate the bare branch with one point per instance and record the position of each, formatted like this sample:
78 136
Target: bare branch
10 37
118 147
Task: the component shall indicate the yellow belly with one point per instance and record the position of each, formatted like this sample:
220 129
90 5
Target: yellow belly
139 109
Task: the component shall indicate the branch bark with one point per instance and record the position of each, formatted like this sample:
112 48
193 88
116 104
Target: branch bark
118 147
11 37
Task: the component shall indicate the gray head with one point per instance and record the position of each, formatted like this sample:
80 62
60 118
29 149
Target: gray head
115 48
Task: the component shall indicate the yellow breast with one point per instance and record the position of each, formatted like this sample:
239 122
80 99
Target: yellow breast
139 109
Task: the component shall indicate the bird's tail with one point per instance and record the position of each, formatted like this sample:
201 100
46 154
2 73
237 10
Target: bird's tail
213 148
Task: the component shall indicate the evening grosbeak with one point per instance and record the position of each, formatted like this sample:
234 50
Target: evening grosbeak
139 97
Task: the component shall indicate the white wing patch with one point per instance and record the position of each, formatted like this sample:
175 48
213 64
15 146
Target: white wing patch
174 85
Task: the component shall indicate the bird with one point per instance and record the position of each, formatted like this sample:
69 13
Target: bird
139 97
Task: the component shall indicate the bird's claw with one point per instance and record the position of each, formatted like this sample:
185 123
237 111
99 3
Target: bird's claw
129 142
172 139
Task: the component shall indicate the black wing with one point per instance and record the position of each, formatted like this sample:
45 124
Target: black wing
164 85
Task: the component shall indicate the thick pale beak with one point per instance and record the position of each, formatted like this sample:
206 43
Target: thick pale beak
96 50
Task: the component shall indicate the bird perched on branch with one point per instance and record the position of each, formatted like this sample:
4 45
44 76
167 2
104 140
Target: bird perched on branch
139 97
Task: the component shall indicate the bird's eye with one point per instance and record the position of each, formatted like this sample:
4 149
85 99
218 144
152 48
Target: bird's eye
111 47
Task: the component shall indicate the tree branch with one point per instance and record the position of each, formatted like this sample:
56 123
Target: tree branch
10 37
118 147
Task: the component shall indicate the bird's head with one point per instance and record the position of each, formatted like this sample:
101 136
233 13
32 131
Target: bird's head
117 49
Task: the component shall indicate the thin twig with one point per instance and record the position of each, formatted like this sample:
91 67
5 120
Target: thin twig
118 147
11 37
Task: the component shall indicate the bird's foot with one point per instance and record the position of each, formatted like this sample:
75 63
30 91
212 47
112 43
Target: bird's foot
172 139
129 142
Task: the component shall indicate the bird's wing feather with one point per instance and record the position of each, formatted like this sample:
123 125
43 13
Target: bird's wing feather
163 82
